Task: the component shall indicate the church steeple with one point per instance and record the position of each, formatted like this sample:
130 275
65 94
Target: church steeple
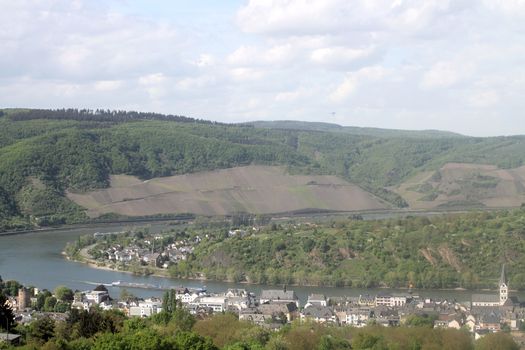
503 287
503 277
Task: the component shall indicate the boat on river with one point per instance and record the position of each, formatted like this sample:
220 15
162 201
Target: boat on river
124 284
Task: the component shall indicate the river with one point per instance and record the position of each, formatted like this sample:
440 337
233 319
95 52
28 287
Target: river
35 259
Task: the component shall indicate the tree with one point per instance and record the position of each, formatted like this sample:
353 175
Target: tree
368 341
64 293
80 344
244 346
11 288
87 323
496 341
41 299
193 341
42 329
328 342
109 341
62 307
277 343
7 317
125 295
170 302
420 321
49 304
182 319
135 324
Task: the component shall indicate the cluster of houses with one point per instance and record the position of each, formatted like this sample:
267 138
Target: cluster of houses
160 256
273 308
150 252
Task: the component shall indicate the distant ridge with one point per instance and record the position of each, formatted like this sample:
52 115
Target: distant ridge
354 130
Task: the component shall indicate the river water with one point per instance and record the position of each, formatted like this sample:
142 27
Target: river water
35 259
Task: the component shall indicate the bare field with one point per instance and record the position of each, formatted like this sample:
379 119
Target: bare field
253 189
485 185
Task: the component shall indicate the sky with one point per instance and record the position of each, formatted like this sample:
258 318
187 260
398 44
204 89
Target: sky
421 64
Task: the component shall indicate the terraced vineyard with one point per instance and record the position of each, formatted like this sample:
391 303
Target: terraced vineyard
251 189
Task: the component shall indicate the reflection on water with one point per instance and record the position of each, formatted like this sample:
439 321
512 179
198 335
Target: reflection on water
35 259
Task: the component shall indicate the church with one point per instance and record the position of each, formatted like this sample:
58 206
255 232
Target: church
501 299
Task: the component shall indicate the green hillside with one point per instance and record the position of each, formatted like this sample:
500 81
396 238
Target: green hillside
77 150
449 251
354 130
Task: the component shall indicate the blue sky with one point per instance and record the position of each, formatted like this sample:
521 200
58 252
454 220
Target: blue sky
404 64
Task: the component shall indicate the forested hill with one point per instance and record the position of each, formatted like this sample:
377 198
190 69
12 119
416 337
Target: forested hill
354 130
43 154
98 115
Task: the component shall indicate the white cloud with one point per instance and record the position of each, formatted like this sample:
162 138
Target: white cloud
446 74
352 80
245 74
290 96
440 75
107 85
402 63
345 89
205 60
243 55
253 55
483 99
294 17
340 56
514 8
71 40
192 83
152 79
155 85
304 17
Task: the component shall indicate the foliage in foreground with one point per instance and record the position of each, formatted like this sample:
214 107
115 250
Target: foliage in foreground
107 330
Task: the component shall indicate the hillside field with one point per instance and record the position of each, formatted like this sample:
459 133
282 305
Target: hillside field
465 185
253 189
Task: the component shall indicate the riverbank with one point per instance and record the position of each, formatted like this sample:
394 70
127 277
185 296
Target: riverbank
87 226
86 259
365 214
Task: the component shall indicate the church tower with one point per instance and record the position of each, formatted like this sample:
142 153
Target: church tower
503 287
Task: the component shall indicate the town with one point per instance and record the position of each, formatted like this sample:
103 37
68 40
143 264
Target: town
274 308
139 251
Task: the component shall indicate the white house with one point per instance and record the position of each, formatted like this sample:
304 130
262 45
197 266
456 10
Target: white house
320 314
279 296
391 300
95 296
146 308
316 299
216 303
